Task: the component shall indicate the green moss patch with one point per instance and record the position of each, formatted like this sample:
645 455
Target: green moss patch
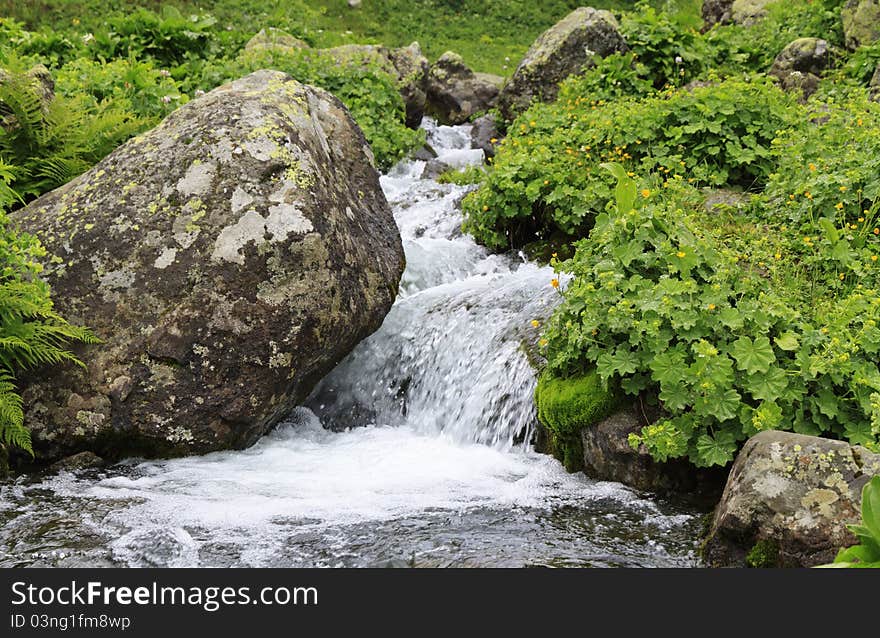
567 406
764 554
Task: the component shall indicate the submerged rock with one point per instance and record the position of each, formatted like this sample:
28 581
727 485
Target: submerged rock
228 259
564 49
456 93
788 501
861 22
80 461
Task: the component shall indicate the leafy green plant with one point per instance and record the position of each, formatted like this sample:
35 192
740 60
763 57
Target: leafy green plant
169 37
663 303
733 49
612 77
833 169
463 177
547 179
136 86
671 53
867 552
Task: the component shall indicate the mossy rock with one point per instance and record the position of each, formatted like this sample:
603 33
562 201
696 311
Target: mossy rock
861 22
567 406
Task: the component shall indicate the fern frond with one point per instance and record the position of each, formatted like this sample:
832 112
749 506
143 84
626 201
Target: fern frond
12 429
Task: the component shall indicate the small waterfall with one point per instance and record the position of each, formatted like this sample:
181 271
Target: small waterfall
448 358
431 475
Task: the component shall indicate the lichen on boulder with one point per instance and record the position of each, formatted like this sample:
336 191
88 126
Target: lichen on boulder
791 492
227 259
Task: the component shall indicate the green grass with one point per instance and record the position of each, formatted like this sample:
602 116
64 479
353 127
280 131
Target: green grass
491 35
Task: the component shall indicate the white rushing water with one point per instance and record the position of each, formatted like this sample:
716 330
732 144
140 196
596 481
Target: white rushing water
414 450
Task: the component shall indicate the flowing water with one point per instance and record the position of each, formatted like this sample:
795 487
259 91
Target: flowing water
414 451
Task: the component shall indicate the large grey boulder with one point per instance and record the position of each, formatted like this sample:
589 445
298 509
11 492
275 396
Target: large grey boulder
861 22
806 55
788 501
456 93
564 49
227 259
748 12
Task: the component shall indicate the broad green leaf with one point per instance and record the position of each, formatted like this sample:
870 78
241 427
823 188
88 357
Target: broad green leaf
724 406
753 356
829 230
668 367
827 402
674 397
625 191
731 318
769 385
624 361
858 432
788 341
717 450
871 507
627 252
